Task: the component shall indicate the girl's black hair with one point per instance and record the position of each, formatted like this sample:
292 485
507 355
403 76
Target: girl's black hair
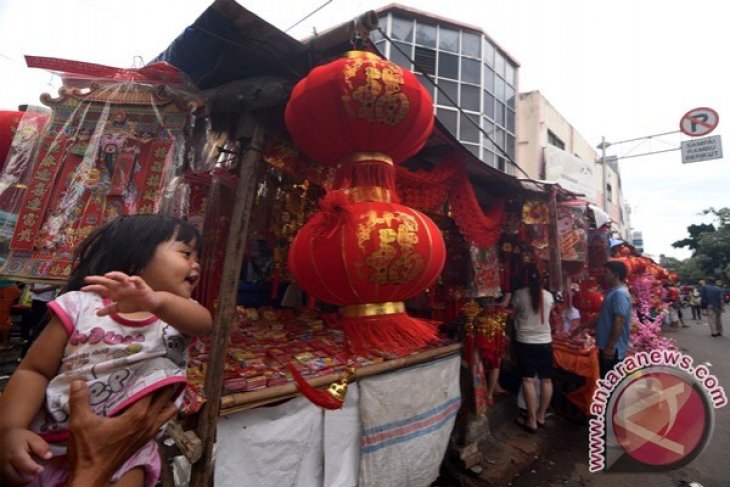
127 244
534 283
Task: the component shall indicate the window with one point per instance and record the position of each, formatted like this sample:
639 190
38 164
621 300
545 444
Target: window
510 120
489 78
499 113
509 75
471 44
448 39
448 118
499 89
470 72
510 96
470 97
510 146
499 63
426 84
402 29
489 129
468 132
425 59
489 52
398 58
474 149
488 105
425 34
609 192
501 163
451 89
488 157
555 141
448 65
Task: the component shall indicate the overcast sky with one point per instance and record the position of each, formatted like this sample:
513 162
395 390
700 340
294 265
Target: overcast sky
620 68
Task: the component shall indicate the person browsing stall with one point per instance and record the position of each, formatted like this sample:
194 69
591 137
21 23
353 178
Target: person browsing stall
121 327
532 306
614 318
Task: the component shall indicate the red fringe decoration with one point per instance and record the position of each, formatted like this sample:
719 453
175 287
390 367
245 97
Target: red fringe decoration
426 190
366 173
397 333
319 398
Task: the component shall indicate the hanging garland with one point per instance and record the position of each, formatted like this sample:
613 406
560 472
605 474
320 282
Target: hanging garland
427 190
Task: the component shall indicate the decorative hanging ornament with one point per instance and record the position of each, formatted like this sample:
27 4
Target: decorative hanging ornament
362 114
363 251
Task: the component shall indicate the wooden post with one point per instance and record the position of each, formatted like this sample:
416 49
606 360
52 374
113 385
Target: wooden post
202 472
556 267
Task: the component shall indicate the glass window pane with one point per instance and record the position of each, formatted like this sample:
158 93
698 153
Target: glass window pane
426 34
470 97
451 89
448 118
510 121
448 39
499 64
510 143
468 132
474 149
488 108
471 44
489 52
499 88
499 113
426 84
402 29
510 95
401 59
489 78
376 36
510 74
488 127
499 140
448 65
501 164
470 72
488 157
425 59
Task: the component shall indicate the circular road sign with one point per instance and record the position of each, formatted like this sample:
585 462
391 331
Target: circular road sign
699 121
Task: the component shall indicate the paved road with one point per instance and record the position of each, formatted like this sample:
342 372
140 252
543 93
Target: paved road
566 464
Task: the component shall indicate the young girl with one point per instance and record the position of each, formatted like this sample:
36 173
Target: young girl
121 327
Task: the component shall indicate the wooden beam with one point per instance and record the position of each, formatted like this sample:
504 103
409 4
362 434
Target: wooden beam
202 472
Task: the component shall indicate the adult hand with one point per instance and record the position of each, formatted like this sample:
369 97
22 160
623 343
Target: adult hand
98 446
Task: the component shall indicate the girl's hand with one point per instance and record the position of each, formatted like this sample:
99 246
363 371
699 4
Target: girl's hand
129 294
18 447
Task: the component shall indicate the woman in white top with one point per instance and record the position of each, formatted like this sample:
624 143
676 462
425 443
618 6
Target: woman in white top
533 345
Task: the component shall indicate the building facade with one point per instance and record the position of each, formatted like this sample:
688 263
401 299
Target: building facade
472 70
550 148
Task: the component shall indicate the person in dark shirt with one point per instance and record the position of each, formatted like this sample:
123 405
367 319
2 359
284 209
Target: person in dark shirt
715 307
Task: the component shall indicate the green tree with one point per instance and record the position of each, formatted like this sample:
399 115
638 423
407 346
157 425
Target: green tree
711 245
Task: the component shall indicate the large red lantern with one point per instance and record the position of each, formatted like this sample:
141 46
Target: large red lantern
359 103
363 251
370 252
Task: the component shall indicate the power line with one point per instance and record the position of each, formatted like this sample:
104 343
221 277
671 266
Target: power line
453 102
310 14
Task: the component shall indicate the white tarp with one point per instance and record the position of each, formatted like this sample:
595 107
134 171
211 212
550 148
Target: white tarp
407 418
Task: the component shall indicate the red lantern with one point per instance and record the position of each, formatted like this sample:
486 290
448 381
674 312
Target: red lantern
356 109
367 257
588 301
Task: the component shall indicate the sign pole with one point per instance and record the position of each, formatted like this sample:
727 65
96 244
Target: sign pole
604 174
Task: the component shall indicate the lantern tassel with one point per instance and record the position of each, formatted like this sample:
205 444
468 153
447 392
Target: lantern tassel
397 333
333 214
332 398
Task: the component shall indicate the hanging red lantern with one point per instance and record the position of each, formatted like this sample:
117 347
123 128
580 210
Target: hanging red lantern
360 109
363 251
368 257
588 300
